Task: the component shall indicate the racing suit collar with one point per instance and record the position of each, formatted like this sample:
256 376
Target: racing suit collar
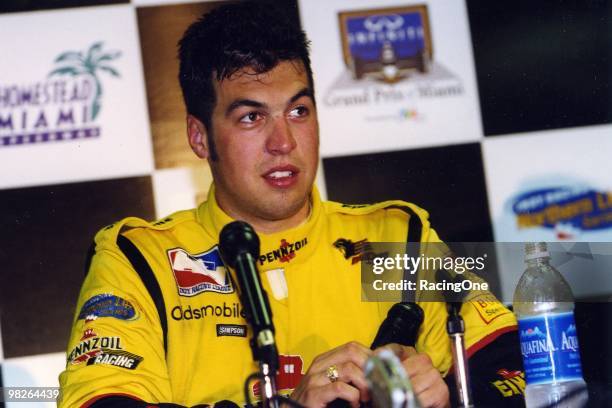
297 241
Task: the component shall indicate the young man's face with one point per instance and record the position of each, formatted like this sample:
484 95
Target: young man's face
265 132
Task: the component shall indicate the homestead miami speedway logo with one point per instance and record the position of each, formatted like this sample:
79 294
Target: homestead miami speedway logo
203 272
66 105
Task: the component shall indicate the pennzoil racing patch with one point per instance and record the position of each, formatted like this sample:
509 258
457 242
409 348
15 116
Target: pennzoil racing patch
107 305
116 358
91 345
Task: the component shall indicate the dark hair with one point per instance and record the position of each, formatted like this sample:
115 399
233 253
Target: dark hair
230 38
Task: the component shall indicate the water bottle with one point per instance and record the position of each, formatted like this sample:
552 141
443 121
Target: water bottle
544 307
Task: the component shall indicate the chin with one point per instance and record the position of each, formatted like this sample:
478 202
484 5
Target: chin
283 210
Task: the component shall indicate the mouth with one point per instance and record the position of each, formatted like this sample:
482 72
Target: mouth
281 176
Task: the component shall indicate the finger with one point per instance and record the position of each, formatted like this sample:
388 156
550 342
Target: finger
409 352
395 348
402 352
423 381
354 352
417 364
352 374
321 396
348 373
435 397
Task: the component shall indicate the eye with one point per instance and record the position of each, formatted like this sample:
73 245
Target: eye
299 111
250 117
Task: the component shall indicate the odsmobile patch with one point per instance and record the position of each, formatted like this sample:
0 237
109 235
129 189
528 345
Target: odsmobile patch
107 305
203 272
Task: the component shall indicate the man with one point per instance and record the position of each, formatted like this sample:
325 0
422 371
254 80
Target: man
158 320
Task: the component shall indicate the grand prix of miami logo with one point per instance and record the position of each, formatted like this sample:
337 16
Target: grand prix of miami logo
66 105
567 210
388 63
385 43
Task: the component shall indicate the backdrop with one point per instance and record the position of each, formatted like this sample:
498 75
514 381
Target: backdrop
493 116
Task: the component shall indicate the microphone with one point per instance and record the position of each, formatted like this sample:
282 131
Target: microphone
239 247
400 326
388 382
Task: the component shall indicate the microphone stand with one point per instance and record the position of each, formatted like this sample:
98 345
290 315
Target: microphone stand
265 352
268 381
239 247
455 327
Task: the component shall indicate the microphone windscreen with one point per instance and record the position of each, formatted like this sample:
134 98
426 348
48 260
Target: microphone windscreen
400 326
238 237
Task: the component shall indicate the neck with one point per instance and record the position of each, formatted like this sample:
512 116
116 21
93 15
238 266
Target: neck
270 226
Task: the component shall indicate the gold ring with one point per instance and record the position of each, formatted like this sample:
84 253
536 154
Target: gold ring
332 373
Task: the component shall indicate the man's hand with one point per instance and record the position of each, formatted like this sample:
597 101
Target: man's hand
428 385
316 389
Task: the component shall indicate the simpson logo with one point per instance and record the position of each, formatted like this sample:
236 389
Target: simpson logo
121 359
511 384
285 252
289 374
199 273
107 305
232 330
91 345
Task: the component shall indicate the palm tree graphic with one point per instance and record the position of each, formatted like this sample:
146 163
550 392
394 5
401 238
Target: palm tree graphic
75 63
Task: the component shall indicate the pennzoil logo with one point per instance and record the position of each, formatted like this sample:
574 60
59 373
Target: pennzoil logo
566 210
91 345
203 272
285 252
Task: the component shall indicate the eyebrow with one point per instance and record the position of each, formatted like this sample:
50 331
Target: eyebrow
256 104
243 102
302 92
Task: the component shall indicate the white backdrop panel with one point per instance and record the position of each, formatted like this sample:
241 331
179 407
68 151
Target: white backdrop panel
73 74
554 186
422 109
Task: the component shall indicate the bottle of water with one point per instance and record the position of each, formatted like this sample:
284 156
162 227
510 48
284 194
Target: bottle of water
544 307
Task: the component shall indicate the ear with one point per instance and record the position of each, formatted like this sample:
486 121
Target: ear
196 133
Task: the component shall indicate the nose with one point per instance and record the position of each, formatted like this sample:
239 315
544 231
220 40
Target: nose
280 140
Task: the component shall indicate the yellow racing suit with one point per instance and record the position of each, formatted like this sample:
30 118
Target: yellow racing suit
158 319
